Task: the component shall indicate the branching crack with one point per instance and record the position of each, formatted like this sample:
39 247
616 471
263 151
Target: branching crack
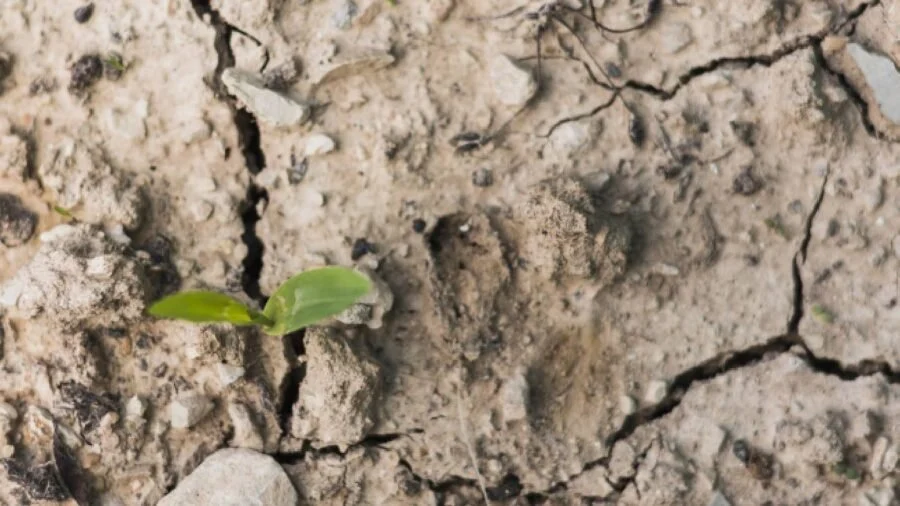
745 62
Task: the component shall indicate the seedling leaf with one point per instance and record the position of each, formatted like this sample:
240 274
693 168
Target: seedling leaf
206 307
312 296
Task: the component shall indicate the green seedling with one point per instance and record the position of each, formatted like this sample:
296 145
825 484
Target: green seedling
776 225
822 314
62 211
301 301
115 61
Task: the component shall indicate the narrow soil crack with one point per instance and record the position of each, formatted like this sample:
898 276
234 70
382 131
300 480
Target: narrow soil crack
249 142
744 62
799 259
370 441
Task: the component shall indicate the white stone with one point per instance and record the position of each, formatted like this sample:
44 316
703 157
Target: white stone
187 410
656 391
268 105
514 398
570 137
627 405
101 267
513 84
234 477
135 408
882 77
228 373
8 411
318 144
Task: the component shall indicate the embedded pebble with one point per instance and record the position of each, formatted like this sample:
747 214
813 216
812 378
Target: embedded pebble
187 410
514 398
317 144
351 63
228 373
882 76
513 84
268 105
234 477
656 391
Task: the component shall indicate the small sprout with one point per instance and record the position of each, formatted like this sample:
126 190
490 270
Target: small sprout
299 302
392 3
62 211
822 314
775 224
846 470
113 66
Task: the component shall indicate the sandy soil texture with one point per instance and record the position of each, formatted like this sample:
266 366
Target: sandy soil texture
631 252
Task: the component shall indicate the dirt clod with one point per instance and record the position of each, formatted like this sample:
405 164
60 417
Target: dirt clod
86 71
83 14
17 223
746 183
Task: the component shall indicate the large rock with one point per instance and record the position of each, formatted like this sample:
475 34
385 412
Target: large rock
234 477
337 397
79 275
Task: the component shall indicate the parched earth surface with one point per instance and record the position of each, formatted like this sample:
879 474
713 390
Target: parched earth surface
625 252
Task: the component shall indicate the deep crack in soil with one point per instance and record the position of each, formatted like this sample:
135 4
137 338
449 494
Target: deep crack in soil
248 140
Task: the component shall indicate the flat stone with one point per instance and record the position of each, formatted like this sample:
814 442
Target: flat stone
228 373
234 477
268 105
188 409
883 78
513 84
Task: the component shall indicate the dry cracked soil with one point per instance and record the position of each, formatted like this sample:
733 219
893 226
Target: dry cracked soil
630 252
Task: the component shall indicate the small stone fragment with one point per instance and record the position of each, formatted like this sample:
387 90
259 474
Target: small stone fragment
234 477
371 309
881 74
318 144
268 105
187 410
17 223
513 84
656 391
135 408
344 14
514 398
596 182
228 373
83 14
627 405
483 177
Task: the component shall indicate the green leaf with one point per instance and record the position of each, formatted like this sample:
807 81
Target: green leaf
312 296
206 307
